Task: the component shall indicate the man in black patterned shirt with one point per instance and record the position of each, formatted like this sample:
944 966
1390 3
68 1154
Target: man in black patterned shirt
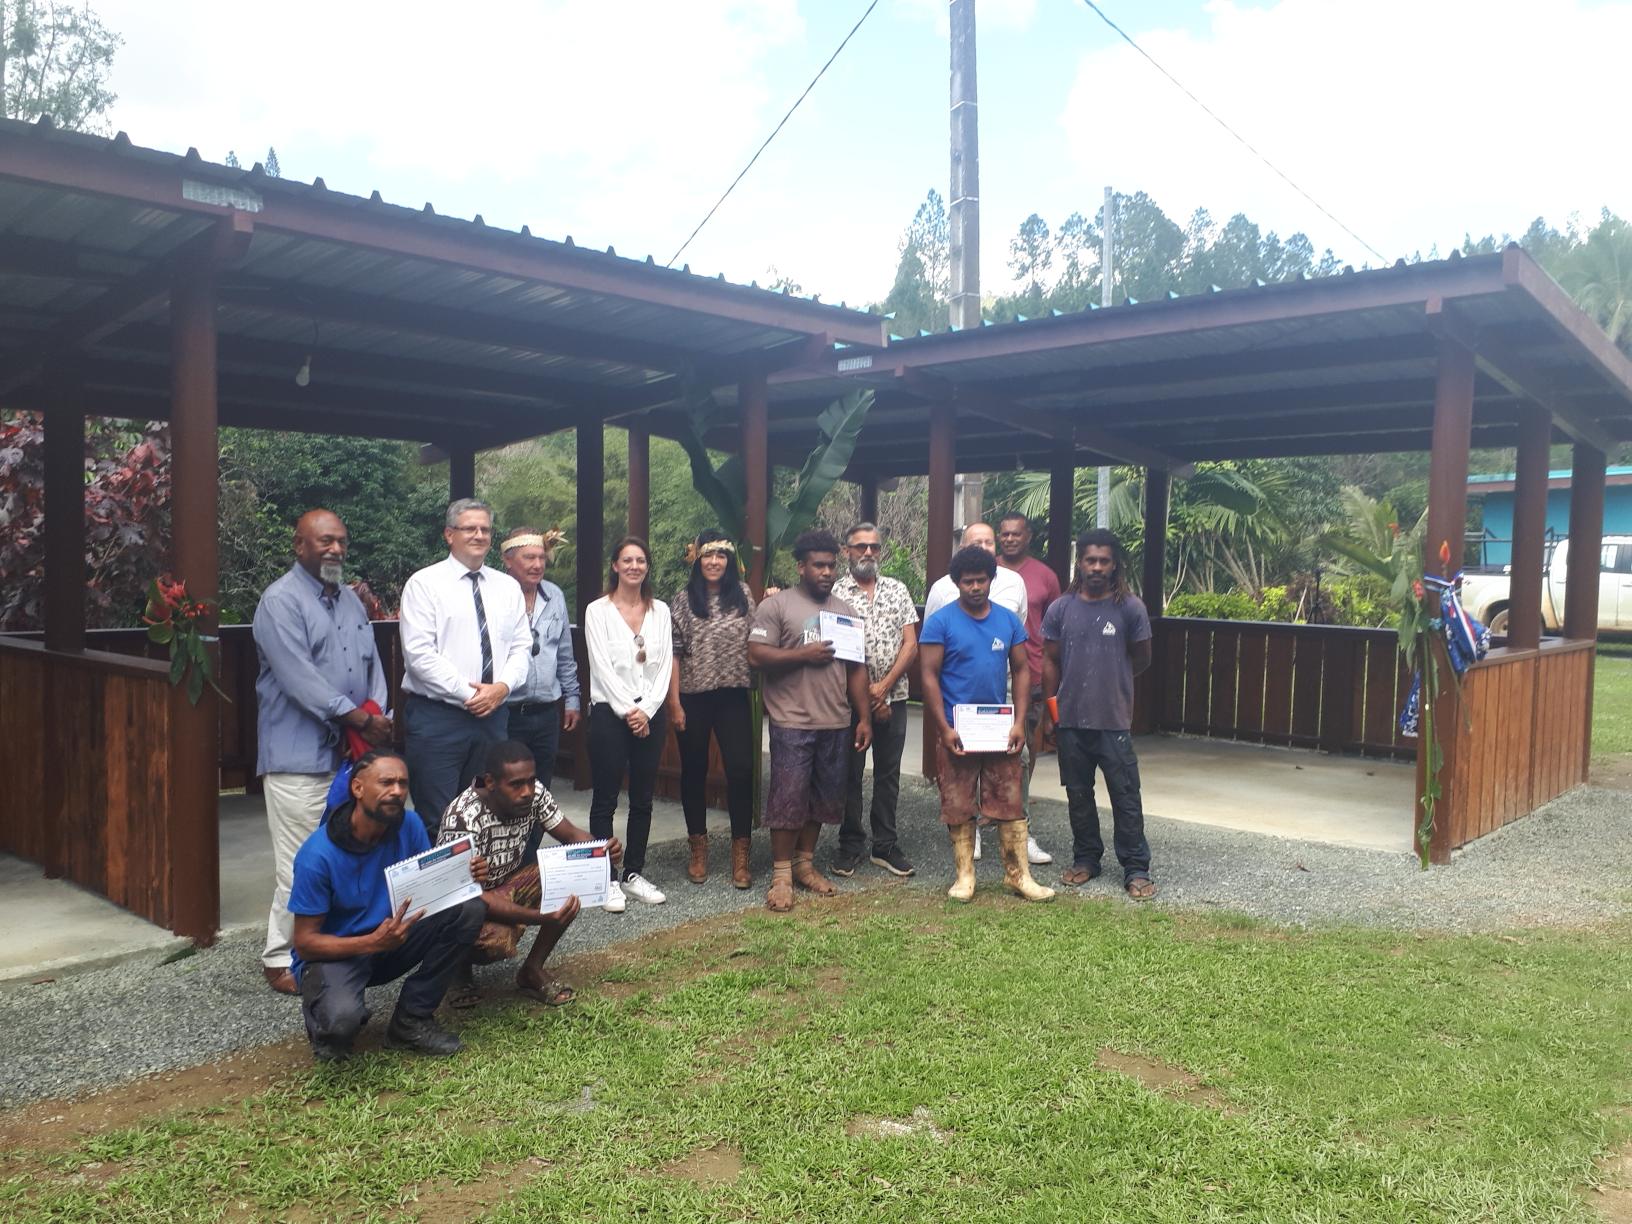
501 811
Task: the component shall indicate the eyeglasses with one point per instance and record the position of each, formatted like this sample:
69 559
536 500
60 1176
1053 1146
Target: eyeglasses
865 548
640 649
474 531
535 641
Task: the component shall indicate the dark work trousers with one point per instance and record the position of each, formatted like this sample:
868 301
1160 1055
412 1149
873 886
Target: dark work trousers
331 992
1111 752
613 750
447 747
723 713
889 739
538 725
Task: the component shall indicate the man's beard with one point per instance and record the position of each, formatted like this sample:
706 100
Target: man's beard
864 571
332 573
389 819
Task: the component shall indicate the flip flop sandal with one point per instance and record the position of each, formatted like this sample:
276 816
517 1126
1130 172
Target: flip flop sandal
1078 875
463 998
1140 888
551 994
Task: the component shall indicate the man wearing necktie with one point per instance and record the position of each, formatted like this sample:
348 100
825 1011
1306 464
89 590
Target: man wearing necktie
465 646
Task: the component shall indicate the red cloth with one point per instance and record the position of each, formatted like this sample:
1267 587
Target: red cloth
356 746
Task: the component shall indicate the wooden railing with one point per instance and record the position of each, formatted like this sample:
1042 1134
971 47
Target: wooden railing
89 794
1524 738
1330 687
239 667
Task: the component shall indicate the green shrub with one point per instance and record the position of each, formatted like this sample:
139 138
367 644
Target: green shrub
1213 605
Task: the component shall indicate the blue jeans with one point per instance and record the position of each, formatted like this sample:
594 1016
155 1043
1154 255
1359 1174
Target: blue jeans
331 992
447 748
1081 752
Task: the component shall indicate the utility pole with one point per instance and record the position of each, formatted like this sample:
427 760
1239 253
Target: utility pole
964 221
1107 257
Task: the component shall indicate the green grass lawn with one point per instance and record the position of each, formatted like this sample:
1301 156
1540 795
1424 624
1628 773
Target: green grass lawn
1339 1075
1612 703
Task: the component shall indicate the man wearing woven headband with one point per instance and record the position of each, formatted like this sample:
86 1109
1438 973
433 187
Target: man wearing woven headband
548 703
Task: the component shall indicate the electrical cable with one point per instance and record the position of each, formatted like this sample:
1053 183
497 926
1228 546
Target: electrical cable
772 136
1326 212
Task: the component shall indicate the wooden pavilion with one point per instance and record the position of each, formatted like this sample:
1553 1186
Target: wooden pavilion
149 285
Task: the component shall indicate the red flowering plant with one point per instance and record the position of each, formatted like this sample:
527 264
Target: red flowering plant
173 619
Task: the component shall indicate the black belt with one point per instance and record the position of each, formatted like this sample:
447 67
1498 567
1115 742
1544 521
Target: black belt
533 707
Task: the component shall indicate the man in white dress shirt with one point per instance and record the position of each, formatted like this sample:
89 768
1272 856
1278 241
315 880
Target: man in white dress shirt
1008 591
465 645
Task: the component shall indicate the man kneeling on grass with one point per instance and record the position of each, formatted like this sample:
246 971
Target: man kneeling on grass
505 811
346 936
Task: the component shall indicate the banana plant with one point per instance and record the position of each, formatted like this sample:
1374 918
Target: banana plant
725 488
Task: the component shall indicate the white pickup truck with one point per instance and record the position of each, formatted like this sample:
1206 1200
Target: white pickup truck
1487 596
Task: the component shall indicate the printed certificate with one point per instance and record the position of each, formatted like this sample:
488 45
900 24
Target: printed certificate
983 728
434 881
582 870
847 633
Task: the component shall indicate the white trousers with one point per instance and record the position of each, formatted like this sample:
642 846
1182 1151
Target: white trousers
294 807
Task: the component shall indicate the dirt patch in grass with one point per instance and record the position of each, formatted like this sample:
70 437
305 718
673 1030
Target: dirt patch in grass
920 1123
718 1165
51 1126
1613 771
443 1203
1611 1195
1162 1077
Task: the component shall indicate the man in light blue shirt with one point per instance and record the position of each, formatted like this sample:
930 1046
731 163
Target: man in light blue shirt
318 668
552 675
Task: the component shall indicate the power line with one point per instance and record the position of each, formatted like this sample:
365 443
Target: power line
772 136
1326 212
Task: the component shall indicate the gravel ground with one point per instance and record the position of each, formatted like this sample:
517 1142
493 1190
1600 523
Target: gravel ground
1570 864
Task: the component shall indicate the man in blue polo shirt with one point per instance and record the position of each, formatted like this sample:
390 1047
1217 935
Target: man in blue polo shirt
346 936
969 650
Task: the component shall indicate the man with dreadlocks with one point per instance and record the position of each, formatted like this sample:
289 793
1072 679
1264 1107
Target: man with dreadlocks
1096 639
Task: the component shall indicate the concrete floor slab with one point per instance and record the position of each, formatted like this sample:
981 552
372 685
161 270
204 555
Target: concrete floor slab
54 926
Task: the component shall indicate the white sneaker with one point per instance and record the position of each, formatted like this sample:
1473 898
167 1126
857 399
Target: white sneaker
615 903
1035 854
642 889
977 843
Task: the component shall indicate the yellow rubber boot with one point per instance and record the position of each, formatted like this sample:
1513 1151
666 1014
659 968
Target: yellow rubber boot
963 858
1016 869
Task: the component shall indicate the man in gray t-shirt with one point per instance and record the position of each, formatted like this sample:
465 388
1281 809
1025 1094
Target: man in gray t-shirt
1096 638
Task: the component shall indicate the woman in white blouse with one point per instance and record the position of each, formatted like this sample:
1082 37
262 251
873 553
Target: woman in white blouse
632 691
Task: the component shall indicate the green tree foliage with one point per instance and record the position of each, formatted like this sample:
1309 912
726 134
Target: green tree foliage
1031 255
392 507
55 57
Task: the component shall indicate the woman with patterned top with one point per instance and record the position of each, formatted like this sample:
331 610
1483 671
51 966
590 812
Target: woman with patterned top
711 649
628 637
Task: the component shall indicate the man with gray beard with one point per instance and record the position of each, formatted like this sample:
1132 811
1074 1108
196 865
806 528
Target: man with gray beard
892 644
318 669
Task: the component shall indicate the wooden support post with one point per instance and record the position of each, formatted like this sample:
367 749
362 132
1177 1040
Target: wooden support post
591 541
65 527
753 405
640 482
194 835
943 445
1586 541
1447 527
1152 584
461 472
869 498
1062 502
1529 528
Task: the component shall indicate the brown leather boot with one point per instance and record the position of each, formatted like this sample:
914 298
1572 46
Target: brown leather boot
697 869
741 876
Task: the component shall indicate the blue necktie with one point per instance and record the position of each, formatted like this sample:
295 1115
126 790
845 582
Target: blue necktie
481 626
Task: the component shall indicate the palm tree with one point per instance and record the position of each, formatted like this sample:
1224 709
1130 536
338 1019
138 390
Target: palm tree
1598 275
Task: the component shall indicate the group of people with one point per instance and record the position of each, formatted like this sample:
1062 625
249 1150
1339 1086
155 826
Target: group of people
490 683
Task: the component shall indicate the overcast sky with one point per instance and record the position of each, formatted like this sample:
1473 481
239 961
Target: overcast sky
620 121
